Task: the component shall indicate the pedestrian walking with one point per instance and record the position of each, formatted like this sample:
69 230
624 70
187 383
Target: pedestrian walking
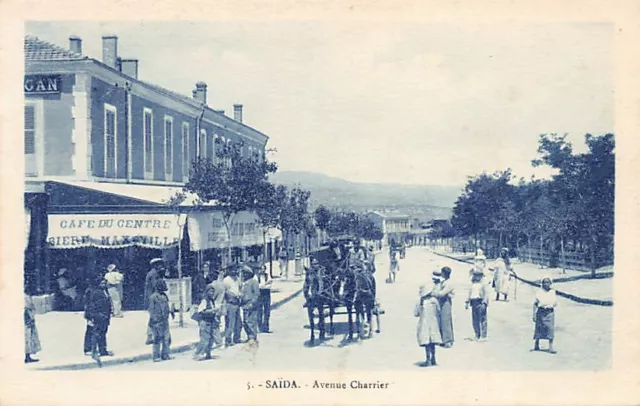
445 295
159 313
114 280
544 315
233 323
502 275
428 313
478 299
371 260
31 339
394 267
249 298
208 317
156 273
98 314
282 261
264 303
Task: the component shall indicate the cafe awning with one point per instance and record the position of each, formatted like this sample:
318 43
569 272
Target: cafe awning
104 197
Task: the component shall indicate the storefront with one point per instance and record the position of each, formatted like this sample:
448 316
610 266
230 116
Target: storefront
91 225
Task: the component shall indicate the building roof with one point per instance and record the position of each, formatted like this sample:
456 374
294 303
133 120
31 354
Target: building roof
36 49
391 215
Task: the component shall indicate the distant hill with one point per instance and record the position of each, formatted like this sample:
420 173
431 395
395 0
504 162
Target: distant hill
424 202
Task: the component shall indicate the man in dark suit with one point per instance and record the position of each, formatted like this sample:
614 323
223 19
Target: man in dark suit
98 315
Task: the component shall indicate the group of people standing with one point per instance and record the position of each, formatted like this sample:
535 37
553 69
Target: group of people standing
237 298
435 322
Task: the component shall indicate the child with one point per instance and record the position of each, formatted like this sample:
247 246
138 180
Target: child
159 321
543 315
479 301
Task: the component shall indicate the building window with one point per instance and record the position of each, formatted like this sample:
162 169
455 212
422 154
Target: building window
110 142
168 146
185 151
148 142
32 151
203 144
216 142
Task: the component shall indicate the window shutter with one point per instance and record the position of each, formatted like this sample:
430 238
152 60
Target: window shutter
29 129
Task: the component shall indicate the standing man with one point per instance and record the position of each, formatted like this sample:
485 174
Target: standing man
233 326
250 296
98 315
159 321
114 287
264 304
156 273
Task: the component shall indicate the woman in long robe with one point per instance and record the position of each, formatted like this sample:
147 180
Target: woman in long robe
444 295
428 331
31 338
544 315
502 275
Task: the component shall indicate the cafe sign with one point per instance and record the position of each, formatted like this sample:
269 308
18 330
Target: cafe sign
34 84
158 231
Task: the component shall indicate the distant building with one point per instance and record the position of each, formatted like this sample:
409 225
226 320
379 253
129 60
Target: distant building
395 226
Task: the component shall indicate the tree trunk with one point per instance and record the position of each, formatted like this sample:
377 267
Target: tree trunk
593 255
541 251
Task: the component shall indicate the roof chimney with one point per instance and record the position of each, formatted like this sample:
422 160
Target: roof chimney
110 50
201 92
75 44
194 93
129 67
219 111
237 112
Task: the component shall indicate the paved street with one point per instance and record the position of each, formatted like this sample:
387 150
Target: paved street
583 333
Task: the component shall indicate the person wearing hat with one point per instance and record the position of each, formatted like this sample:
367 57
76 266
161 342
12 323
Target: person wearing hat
479 300
427 310
544 315
250 296
502 275
444 295
159 313
98 316
264 304
233 322
156 273
114 281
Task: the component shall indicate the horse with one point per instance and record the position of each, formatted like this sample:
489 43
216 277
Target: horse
321 289
364 300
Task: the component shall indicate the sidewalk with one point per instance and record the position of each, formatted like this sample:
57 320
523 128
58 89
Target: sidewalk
574 285
62 333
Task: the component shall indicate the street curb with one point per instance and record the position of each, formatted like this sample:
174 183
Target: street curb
147 355
566 295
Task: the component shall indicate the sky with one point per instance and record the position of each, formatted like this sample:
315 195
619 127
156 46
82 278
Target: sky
411 103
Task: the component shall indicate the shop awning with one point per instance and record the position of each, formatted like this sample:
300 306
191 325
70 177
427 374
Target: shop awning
207 230
158 231
103 197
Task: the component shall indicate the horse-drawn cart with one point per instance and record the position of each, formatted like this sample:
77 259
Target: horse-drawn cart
337 285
